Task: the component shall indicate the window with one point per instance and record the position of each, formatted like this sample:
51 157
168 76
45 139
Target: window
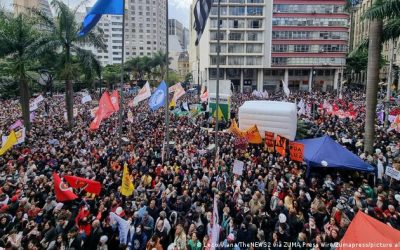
237 11
301 48
236 60
254 36
235 36
255 11
254 24
235 48
254 48
279 48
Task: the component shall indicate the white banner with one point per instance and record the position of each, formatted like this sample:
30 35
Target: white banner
238 167
391 172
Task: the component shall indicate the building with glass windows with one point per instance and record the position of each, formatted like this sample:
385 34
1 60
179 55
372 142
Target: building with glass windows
263 42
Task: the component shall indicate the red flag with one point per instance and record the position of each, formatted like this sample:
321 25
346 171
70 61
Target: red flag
335 108
95 123
62 191
105 110
90 186
115 100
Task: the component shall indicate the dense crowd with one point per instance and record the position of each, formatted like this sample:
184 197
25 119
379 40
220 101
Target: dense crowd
171 208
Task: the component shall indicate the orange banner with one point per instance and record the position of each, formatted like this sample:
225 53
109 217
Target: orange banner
296 151
253 135
234 129
269 141
280 145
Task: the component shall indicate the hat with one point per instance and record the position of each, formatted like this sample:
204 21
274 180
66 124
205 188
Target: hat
282 218
231 237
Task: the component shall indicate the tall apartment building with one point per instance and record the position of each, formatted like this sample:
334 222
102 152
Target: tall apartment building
263 42
309 43
145 30
245 43
23 6
145 27
111 25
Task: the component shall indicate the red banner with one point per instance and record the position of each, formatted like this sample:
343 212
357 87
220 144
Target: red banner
281 145
296 151
269 141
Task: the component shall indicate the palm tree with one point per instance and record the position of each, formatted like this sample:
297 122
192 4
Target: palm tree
62 37
159 60
17 44
381 10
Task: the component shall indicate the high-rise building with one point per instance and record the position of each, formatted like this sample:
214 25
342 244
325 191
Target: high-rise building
111 26
145 27
309 43
24 6
145 30
263 42
245 38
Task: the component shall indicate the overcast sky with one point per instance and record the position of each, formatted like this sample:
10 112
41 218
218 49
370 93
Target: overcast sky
178 9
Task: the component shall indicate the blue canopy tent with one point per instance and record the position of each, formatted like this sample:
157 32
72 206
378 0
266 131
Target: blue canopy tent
325 152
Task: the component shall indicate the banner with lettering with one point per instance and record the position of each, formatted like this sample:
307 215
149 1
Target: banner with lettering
269 141
296 151
281 145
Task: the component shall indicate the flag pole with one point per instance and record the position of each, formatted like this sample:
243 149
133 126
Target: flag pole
166 77
217 87
121 87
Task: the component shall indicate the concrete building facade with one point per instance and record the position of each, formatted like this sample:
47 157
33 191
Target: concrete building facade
24 6
263 42
145 31
145 27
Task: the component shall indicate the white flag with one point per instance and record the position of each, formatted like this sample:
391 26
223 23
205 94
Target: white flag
143 94
286 89
33 106
179 92
302 107
172 89
185 106
123 227
86 98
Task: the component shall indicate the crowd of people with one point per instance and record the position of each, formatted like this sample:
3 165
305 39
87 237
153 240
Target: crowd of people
272 203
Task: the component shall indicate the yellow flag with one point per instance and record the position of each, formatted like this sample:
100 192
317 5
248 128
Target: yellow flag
127 186
11 141
172 104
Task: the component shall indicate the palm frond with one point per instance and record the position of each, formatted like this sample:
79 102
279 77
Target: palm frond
87 60
46 45
93 38
383 9
391 29
44 20
362 46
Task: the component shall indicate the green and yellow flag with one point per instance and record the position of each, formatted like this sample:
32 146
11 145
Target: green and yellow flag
11 141
127 186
